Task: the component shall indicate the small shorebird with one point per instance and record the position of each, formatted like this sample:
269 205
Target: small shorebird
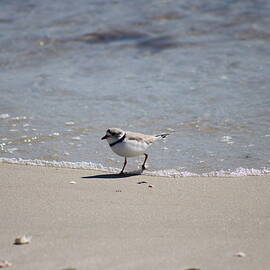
130 144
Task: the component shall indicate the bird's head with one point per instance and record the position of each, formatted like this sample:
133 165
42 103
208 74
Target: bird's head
113 134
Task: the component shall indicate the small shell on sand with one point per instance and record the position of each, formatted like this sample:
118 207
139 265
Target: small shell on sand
240 254
4 264
73 182
23 240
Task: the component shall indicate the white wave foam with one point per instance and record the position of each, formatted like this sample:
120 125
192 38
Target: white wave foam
239 172
4 115
58 164
167 173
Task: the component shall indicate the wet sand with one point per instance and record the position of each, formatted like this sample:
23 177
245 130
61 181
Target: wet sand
137 222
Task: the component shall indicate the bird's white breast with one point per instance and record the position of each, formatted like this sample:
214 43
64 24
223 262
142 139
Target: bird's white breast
130 148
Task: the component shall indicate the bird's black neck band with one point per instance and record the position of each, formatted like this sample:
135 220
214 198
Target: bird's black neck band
118 141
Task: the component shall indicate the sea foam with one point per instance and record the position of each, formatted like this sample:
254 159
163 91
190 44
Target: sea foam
164 173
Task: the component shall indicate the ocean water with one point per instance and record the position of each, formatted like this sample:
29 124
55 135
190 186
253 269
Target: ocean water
199 70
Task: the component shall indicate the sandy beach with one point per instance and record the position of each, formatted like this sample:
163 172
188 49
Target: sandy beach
93 220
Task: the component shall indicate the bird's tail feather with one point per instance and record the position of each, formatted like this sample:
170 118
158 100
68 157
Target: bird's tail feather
163 135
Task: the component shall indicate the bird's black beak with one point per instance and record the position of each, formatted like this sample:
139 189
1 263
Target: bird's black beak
104 137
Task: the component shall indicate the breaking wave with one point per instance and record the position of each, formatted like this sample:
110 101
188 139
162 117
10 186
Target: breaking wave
164 173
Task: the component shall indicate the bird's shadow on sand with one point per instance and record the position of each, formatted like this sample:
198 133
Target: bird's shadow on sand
113 175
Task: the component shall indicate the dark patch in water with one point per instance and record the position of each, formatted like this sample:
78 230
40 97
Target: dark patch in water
142 41
110 36
6 21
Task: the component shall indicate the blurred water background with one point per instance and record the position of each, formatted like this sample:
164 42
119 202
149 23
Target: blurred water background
197 69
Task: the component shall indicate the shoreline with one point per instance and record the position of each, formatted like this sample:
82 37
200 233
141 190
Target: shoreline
86 219
172 173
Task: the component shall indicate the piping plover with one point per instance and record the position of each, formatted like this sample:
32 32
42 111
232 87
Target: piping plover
130 144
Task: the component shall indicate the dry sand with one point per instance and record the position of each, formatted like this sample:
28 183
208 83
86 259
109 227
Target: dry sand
106 222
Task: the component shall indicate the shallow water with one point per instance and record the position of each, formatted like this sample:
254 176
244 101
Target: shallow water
200 70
